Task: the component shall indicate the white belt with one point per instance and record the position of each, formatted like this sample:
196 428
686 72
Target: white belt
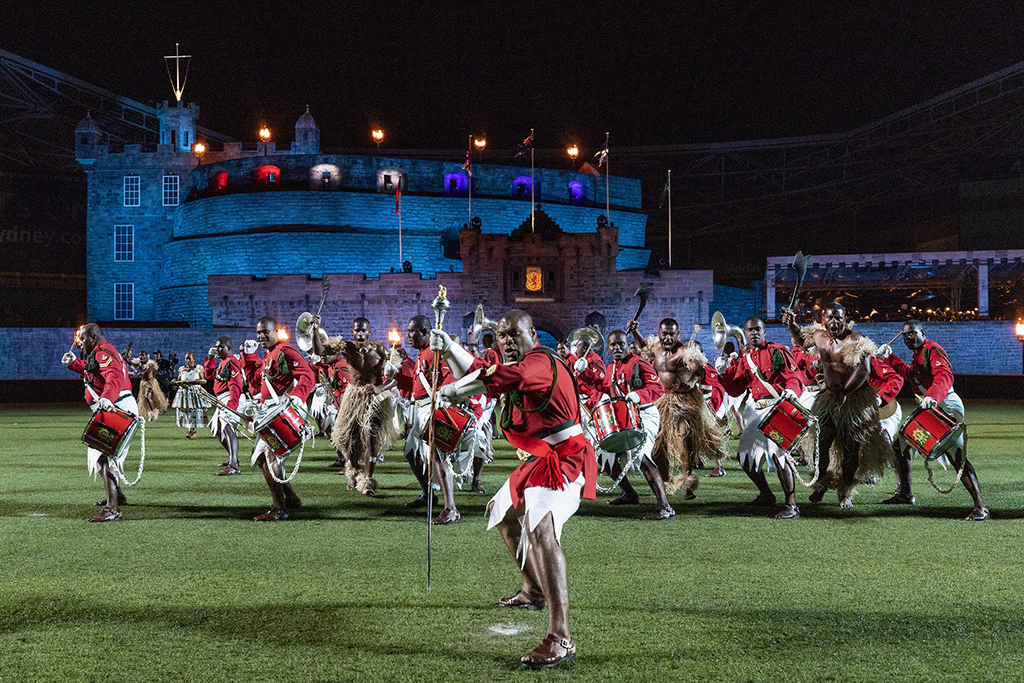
564 434
763 403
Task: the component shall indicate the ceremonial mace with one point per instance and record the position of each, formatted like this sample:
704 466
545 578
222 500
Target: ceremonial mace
441 305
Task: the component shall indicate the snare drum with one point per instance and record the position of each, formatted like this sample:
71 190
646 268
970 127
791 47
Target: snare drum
617 424
110 432
283 428
450 424
931 432
786 423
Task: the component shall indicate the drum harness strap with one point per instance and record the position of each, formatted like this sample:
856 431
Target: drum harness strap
812 422
113 462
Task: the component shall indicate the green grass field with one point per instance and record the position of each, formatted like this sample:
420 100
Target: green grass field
186 587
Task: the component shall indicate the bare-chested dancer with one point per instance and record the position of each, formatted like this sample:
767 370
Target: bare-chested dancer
847 406
688 430
364 426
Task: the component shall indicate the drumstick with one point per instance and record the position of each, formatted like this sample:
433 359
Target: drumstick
895 338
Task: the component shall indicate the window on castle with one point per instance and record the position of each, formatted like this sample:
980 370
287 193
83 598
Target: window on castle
124 301
124 242
327 179
132 190
388 183
521 187
389 179
170 190
271 177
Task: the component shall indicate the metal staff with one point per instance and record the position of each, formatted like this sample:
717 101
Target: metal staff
441 306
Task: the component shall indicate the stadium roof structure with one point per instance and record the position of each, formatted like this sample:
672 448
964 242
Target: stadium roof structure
40 107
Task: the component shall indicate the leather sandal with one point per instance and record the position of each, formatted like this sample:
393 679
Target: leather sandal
229 472
447 516
788 511
978 515
544 656
521 601
271 515
106 515
662 512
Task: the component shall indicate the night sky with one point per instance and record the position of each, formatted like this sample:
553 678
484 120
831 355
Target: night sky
432 73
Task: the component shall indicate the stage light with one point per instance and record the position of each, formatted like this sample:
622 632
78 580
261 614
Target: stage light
573 151
265 137
378 136
479 143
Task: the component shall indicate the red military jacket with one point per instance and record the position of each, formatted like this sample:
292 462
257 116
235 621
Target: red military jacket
287 372
253 367
773 363
884 380
408 378
930 372
489 357
711 387
633 374
591 381
226 377
338 376
807 365
541 400
104 370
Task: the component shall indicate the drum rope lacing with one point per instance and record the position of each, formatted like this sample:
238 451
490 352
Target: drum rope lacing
959 475
812 425
116 464
635 457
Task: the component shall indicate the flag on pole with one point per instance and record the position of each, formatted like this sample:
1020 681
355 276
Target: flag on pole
525 146
664 193
398 198
602 154
467 166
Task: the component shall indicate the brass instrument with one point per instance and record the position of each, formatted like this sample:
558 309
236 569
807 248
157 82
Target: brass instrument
303 335
589 336
481 323
721 331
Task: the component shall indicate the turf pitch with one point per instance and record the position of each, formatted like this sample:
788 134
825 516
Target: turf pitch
186 587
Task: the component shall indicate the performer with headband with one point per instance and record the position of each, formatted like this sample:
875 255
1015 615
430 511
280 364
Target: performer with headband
106 386
931 376
286 374
365 426
631 377
542 419
417 450
688 432
228 384
847 406
765 369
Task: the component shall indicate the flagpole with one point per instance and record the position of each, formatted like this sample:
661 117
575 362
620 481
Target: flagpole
469 172
398 201
607 177
533 183
670 218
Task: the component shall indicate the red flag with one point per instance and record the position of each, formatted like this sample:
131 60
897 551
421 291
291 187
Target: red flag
398 198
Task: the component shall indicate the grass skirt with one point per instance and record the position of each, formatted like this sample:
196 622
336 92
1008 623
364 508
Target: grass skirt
151 397
707 440
855 417
361 415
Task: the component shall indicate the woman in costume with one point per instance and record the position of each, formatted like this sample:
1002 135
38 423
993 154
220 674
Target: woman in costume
190 405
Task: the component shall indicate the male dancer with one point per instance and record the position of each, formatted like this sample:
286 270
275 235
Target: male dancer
106 386
365 426
688 432
227 387
846 407
767 370
285 374
931 377
542 419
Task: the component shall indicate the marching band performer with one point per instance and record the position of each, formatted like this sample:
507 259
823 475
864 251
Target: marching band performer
765 369
631 377
106 386
228 384
365 426
721 405
931 377
417 450
542 420
688 432
285 374
847 406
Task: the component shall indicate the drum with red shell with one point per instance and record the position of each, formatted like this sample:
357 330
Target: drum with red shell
618 426
450 424
110 431
786 423
931 431
283 428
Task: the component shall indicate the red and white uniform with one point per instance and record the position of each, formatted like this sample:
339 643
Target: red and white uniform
543 421
417 382
106 376
714 392
228 385
285 373
252 367
635 374
887 383
757 369
931 374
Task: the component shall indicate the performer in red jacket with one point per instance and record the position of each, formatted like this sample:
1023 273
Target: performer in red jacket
542 419
228 384
285 374
931 377
106 386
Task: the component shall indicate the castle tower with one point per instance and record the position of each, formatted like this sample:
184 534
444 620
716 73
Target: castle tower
87 138
178 125
307 135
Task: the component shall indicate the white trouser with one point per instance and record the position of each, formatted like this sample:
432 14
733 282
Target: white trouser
756 450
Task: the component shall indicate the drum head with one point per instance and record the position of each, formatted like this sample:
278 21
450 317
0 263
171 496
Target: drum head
623 440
